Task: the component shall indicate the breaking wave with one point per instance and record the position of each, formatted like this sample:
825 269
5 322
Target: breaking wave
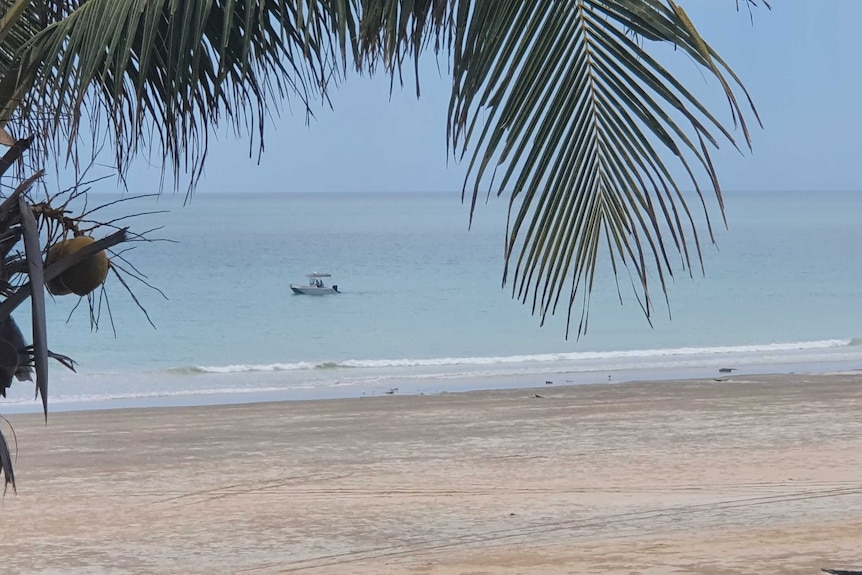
545 358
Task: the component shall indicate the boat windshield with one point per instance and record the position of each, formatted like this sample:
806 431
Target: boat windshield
314 279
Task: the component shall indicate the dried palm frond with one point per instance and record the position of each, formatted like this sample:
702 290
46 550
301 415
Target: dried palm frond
6 460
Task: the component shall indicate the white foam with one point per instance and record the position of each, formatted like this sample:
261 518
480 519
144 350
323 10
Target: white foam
584 356
352 378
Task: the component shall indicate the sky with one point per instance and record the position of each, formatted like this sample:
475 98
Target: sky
799 61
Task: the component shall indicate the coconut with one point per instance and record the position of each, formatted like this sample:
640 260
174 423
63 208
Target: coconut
83 277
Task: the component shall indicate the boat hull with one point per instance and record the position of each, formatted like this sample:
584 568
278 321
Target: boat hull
311 290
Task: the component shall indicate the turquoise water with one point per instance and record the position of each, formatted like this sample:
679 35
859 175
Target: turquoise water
422 309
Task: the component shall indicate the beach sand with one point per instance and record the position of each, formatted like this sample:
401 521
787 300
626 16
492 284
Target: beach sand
746 475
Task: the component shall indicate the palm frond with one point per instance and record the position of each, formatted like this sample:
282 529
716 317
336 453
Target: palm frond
164 74
561 105
390 32
6 460
33 251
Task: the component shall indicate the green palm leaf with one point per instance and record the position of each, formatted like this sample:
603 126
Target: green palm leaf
165 73
575 118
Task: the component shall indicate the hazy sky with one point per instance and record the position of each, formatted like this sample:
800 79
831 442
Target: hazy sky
800 62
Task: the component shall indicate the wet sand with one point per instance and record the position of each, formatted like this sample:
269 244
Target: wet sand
746 475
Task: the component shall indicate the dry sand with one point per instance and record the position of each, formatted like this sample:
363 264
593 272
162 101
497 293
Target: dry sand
747 475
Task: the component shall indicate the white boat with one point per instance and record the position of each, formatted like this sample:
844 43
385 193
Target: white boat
315 285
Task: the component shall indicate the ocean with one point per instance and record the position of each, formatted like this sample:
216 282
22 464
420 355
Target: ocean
422 310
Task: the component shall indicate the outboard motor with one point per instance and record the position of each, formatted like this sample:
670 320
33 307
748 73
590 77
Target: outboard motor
335 288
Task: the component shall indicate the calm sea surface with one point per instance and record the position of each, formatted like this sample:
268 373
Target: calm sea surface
422 309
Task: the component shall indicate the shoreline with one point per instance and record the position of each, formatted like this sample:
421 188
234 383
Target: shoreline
745 475
18 403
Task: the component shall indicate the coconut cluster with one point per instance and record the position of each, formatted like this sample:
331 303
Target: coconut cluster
82 278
